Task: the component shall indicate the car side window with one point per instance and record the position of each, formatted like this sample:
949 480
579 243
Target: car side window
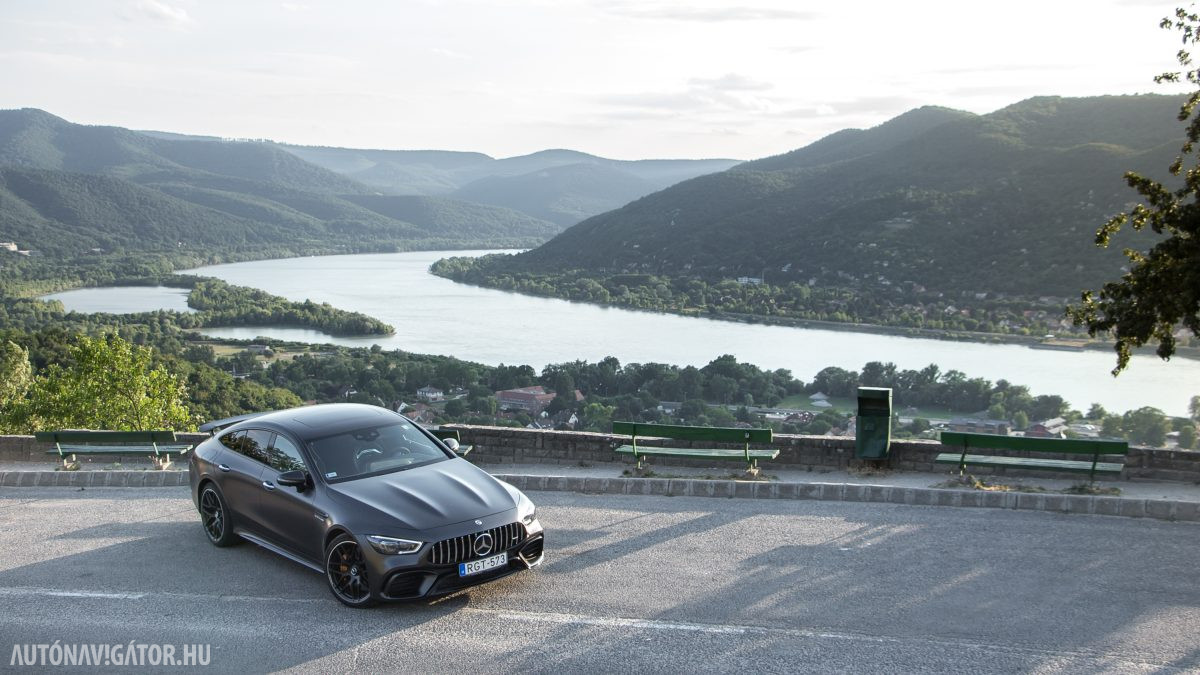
233 440
255 445
285 456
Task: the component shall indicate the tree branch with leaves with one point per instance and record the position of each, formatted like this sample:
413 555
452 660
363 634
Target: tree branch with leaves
1161 290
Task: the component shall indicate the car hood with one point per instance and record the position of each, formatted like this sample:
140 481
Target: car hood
430 496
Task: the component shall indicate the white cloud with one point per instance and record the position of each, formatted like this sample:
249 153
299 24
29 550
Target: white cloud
731 82
450 53
645 10
160 11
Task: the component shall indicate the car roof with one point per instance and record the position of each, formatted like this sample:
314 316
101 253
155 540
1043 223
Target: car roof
319 421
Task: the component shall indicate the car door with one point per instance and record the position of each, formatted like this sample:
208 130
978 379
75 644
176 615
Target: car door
238 477
289 514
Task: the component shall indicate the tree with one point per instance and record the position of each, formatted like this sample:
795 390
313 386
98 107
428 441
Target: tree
1194 408
1097 412
1020 420
598 417
16 375
1162 287
1187 437
455 408
109 384
1146 426
1111 427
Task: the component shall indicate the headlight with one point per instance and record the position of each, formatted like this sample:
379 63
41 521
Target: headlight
526 511
392 546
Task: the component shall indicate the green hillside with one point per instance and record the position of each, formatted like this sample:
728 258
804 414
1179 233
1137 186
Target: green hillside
957 203
564 195
69 188
438 216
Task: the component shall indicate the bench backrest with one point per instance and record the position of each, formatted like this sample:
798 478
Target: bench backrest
715 434
445 433
105 436
1081 446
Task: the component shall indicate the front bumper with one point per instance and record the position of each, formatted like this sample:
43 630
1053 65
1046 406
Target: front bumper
413 577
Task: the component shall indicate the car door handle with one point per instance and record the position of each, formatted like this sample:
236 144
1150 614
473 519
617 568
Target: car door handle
223 467
268 485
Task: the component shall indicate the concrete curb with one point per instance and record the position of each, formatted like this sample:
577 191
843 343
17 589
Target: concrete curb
93 478
1157 509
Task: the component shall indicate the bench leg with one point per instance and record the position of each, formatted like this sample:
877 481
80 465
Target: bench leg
752 469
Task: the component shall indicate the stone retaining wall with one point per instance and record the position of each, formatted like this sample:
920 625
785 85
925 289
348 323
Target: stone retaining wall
501 445
504 445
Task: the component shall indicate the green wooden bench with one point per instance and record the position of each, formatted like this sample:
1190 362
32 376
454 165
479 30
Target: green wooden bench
702 434
446 434
159 445
1072 446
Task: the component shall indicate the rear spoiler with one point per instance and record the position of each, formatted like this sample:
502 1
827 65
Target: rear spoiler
217 425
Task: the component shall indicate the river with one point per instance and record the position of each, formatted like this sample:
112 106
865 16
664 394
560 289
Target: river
436 316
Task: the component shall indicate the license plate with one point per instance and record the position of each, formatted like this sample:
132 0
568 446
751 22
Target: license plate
476 566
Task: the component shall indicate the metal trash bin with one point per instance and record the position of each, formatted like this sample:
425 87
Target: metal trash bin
873 427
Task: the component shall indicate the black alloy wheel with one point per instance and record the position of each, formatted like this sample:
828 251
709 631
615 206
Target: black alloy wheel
346 571
214 516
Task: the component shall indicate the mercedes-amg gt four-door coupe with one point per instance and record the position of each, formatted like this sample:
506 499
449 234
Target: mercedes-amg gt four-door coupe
377 504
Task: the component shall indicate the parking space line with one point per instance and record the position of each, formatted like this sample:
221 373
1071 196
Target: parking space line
624 623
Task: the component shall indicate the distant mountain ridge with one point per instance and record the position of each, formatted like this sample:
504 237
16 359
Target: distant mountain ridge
67 188
559 185
999 203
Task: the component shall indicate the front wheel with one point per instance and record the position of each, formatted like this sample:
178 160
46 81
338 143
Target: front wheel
346 571
214 516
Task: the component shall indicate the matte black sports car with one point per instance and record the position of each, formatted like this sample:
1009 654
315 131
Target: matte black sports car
381 507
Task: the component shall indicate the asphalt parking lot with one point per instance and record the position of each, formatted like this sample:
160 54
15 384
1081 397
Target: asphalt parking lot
631 584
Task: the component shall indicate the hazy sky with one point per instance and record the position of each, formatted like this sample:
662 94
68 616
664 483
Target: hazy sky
619 78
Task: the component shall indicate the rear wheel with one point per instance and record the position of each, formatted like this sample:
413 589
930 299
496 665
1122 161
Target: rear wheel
346 571
214 516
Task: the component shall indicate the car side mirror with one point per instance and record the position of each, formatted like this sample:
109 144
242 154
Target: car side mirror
452 444
297 479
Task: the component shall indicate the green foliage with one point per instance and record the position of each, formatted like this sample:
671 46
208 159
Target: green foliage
16 375
108 383
1146 426
222 304
901 308
1187 437
1161 290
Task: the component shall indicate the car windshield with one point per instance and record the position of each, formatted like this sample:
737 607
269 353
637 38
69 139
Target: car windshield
373 451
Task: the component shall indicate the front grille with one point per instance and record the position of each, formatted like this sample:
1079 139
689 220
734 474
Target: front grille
458 549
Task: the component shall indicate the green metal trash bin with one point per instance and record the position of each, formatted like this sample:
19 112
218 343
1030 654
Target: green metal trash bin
873 429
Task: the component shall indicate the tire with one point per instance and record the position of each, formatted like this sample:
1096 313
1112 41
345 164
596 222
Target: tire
214 517
346 572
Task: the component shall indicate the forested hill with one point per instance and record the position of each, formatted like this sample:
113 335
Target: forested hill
67 188
1006 202
558 185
